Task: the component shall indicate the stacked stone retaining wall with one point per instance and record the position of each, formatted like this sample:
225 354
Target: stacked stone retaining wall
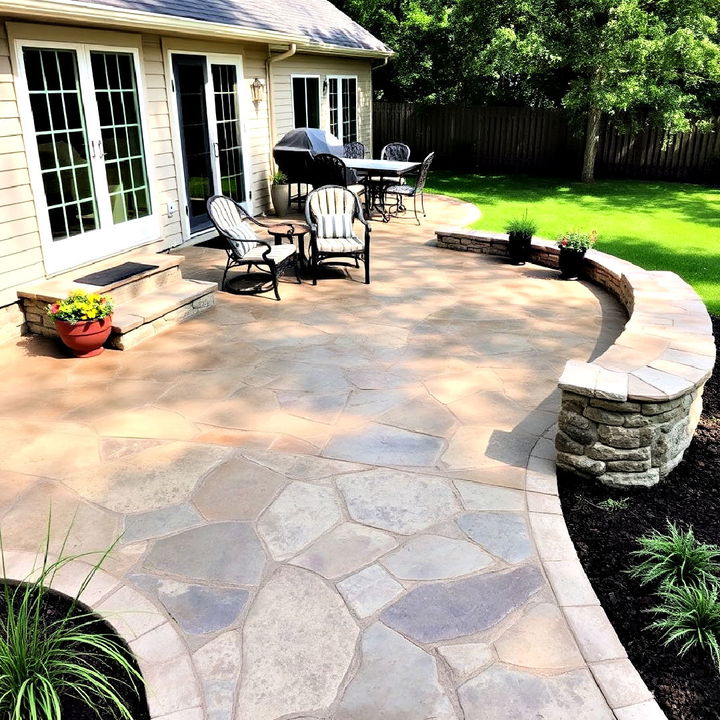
627 417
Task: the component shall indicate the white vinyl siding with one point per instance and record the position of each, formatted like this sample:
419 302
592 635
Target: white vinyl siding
20 254
325 66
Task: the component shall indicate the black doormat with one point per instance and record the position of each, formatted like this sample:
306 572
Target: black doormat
114 274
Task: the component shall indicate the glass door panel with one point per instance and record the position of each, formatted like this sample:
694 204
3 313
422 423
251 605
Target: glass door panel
190 73
227 122
62 140
121 132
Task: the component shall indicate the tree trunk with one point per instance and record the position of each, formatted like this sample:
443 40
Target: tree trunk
592 138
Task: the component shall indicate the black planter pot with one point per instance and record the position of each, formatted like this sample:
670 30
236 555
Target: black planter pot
519 247
571 263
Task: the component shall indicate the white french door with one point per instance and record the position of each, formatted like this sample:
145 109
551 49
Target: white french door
342 99
210 128
88 160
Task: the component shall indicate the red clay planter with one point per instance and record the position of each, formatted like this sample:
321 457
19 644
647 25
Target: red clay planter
85 338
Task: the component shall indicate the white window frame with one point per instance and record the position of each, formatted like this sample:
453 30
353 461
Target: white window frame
241 99
306 76
110 238
339 79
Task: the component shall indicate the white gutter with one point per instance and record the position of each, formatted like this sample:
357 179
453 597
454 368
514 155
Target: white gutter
271 60
76 11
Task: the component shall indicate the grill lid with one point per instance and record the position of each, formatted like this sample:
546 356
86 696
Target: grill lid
312 140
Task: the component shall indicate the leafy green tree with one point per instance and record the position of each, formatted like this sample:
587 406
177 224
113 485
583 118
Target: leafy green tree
630 61
627 59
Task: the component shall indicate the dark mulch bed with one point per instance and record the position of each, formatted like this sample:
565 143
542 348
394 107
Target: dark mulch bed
687 688
56 607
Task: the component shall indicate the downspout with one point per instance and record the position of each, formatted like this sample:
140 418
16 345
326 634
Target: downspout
372 68
271 60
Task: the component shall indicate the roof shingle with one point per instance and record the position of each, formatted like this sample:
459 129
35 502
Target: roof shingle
317 20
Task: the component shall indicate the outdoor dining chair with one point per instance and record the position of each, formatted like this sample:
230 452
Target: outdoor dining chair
406 191
331 170
244 248
354 150
395 151
330 212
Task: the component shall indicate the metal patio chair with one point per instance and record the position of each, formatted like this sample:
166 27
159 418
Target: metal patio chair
244 248
331 170
395 151
406 191
354 150
330 212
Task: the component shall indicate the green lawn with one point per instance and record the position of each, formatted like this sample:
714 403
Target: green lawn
657 225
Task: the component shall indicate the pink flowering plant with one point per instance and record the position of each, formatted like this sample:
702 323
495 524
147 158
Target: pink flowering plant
81 306
577 240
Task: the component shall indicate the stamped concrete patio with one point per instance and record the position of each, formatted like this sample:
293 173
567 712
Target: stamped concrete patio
325 494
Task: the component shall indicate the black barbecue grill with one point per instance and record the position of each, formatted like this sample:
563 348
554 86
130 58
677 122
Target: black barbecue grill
294 155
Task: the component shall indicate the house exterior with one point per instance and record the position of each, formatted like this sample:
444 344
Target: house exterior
118 118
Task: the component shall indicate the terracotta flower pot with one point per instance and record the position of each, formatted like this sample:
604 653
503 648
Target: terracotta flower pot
85 338
519 247
570 263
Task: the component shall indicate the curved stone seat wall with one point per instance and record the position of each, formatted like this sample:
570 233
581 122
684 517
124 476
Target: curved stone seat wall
628 416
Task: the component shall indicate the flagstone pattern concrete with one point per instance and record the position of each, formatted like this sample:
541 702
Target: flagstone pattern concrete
327 500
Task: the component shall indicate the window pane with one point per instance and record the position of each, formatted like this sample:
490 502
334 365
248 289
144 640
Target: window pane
333 98
232 171
125 165
56 107
299 102
349 109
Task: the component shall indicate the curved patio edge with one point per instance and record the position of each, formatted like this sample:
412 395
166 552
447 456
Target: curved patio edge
627 416
624 690
172 688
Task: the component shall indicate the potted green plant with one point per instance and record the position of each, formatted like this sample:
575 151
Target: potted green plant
520 231
83 321
573 246
280 192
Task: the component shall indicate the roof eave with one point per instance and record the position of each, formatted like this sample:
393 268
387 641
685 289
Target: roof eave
78 11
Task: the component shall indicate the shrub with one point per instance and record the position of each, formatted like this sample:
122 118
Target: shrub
81 306
675 558
278 178
690 616
521 225
577 240
42 661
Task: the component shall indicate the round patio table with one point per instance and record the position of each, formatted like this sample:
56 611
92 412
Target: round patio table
288 231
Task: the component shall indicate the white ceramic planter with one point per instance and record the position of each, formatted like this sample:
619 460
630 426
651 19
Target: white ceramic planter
280 195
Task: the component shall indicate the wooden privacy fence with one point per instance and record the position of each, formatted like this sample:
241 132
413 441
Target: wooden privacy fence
542 140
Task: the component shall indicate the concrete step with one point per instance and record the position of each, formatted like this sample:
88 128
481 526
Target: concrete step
166 272
152 313
145 304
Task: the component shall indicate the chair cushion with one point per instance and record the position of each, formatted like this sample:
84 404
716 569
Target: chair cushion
340 245
401 189
278 253
335 226
242 238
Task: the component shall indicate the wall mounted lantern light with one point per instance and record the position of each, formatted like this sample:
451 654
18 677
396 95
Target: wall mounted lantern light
257 88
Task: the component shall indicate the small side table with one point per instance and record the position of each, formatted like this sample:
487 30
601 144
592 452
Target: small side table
288 231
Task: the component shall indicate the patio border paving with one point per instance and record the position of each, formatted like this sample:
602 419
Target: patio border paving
625 691
627 416
171 684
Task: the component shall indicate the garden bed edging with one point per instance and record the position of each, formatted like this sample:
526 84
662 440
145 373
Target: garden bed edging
171 685
628 416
